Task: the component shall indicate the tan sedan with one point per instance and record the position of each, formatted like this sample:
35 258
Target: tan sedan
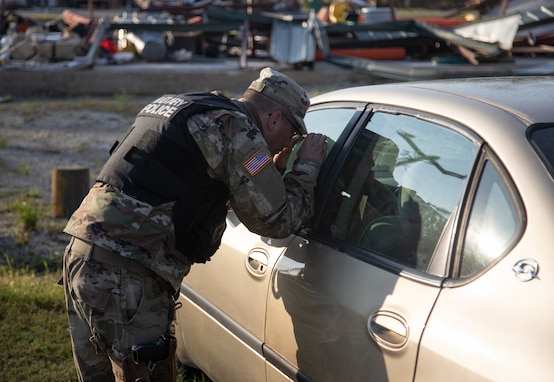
429 259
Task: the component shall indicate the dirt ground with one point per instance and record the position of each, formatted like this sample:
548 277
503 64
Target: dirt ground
35 137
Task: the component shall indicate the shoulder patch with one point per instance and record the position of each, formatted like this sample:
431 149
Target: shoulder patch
257 162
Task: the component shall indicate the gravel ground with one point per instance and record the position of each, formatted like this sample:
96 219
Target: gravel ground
35 137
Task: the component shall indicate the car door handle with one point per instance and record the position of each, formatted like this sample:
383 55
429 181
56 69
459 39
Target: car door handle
388 329
257 262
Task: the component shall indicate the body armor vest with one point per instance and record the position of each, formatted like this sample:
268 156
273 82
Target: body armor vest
158 161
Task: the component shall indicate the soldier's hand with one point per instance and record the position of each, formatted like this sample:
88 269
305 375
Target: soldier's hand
314 147
281 158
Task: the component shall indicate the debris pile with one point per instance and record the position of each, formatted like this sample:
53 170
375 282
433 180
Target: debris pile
70 41
478 40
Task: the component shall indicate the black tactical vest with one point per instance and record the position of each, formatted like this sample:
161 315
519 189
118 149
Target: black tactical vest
158 158
158 161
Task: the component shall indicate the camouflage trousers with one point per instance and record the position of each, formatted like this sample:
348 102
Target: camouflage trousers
111 308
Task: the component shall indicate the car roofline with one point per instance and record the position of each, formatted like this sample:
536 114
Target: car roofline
498 92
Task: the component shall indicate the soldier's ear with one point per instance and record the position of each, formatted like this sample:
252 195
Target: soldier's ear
272 120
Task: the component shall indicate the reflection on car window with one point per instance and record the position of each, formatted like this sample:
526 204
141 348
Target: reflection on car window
400 184
493 224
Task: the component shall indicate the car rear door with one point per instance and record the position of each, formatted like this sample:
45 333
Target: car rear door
351 295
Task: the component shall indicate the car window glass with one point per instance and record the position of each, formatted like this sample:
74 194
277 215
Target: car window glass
543 140
330 122
402 180
493 224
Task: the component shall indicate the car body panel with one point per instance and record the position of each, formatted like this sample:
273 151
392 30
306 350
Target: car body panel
503 334
338 345
200 338
240 247
238 279
322 309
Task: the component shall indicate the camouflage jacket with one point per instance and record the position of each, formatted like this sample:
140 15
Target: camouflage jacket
237 154
134 229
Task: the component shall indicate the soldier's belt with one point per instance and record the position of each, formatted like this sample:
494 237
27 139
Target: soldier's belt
91 251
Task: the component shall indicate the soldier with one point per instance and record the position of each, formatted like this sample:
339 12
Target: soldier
159 205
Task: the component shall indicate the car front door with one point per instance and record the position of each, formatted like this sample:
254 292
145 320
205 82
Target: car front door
351 295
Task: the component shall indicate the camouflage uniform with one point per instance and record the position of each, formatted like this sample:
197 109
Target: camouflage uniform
113 306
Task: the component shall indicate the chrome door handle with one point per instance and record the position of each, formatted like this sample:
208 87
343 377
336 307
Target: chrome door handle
257 262
388 329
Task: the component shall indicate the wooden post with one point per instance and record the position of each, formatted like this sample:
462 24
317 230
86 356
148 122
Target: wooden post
69 186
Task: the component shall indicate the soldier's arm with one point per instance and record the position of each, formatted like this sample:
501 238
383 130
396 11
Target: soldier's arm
272 205
266 202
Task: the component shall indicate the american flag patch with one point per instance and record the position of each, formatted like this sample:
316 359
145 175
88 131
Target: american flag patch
257 162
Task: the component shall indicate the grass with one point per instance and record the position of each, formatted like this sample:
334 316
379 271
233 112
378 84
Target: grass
27 210
34 332
33 329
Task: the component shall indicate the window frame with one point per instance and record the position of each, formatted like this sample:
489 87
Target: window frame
335 159
487 156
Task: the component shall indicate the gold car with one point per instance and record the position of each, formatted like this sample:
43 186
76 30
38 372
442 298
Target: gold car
429 258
